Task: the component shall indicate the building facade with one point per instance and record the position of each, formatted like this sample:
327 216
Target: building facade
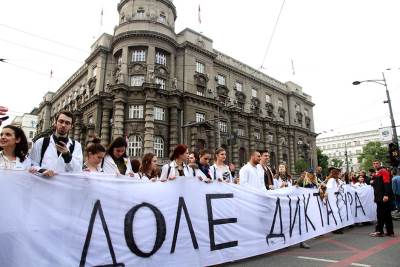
27 122
160 88
336 147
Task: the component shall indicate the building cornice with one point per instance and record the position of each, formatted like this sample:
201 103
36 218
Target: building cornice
97 51
197 48
166 2
133 34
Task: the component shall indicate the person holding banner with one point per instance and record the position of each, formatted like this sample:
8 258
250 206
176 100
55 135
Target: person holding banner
282 178
220 171
149 169
116 161
251 175
178 167
13 149
95 153
204 163
268 172
57 153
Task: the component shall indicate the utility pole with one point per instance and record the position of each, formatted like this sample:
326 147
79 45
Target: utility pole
346 157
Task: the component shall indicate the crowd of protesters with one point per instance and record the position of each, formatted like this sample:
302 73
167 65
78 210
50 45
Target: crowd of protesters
58 153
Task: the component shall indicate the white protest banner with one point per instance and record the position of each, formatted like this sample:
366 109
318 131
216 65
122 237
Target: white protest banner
98 220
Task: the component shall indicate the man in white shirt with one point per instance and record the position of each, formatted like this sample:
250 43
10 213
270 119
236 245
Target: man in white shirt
250 174
57 153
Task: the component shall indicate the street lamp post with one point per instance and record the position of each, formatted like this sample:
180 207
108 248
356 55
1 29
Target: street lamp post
388 101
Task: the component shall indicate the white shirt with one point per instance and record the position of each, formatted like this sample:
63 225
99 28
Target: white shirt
173 171
278 182
217 172
6 164
252 176
54 162
109 166
333 184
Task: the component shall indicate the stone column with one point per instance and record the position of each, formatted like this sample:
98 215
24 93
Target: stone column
211 141
77 130
252 144
193 138
235 147
151 56
149 127
291 153
124 65
118 119
173 129
105 126
150 98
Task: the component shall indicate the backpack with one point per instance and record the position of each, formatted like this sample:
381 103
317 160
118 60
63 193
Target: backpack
45 145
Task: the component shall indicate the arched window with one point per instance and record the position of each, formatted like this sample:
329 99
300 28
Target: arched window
135 145
159 146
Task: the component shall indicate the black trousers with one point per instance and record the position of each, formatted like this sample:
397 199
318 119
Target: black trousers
384 216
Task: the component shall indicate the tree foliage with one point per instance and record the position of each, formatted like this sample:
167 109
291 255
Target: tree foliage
372 151
322 161
338 163
301 165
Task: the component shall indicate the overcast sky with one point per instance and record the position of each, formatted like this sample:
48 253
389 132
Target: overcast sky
331 43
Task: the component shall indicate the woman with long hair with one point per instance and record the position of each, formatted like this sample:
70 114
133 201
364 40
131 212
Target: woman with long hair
204 163
282 178
13 149
177 166
116 160
149 169
95 153
219 170
310 180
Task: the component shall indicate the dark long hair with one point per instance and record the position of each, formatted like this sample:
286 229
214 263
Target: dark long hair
179 150
21 148
118 142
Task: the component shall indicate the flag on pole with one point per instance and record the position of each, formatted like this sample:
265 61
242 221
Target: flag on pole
101 17
293 72
51 74
199 15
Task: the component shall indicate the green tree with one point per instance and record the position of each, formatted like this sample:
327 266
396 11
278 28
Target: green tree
301 165
322 161
338 163
372 151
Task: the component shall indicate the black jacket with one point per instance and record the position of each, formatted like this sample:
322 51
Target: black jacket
382 184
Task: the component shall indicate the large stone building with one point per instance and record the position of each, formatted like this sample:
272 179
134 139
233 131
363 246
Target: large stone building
351 145
160 89
27 122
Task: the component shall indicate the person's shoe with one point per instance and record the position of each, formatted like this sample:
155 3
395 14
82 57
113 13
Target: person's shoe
376 234
304 245
390 235
338 232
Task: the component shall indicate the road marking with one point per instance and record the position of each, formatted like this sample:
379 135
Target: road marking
367 253
331 261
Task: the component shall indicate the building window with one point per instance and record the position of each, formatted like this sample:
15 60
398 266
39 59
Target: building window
159 146
297 107
162 18
280 103
306 112
201 91
161 82
240 106
140 13
119 61
253 92
159 113
137 80
200 117
240 131
267 98
223 127
90 120
221 79
139 55
30 134
239 86
200 67
257 135
135 146
94 71
161 58
136 112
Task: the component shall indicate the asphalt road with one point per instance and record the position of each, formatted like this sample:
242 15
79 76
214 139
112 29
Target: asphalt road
353 248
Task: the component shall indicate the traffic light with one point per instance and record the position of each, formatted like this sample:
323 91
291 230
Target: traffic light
394 155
